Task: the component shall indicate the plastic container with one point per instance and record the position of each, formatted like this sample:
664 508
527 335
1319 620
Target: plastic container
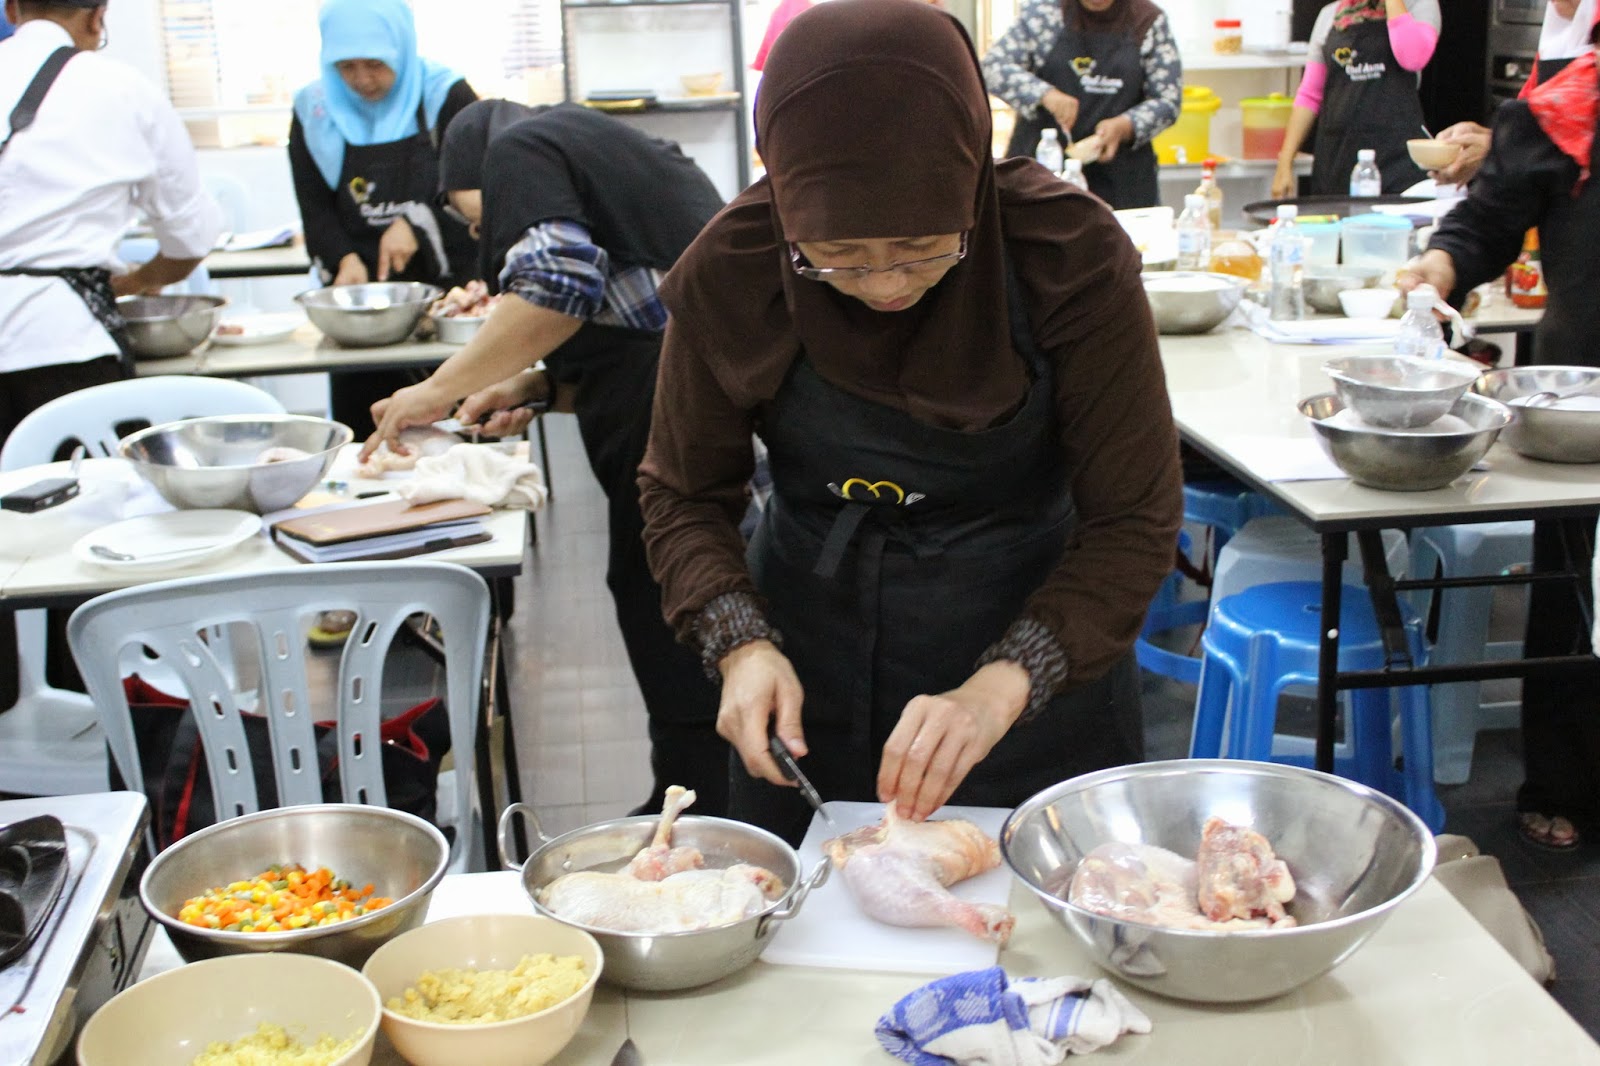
1049 154
1266 119
1382 241
1323 246
1227 38
1188 140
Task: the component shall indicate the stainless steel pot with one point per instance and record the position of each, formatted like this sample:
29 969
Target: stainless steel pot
666 962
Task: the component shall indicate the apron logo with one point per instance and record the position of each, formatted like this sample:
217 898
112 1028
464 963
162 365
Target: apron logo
361 189
1357 71
857 490
1082 65
1343 56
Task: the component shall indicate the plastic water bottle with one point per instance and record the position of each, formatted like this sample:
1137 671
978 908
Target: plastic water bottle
1365 179
1194 234
1049 154
1420 333
1072 173
1286 254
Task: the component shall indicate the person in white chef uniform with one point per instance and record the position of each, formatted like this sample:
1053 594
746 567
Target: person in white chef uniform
88 144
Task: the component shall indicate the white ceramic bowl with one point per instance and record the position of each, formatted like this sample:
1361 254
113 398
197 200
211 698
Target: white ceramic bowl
482 942
1431 153
1369 303
169 1019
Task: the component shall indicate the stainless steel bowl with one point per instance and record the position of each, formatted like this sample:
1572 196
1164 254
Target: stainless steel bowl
1407 460
457 329
161 327
1355 855
1322 285
1543 432
403 856
365 316
1399 392
1180 309
216 461
667 961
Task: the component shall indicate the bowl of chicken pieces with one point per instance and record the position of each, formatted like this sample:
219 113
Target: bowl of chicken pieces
675 901
1217 880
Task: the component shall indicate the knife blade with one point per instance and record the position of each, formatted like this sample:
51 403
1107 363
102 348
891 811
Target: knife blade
791 769
627 1055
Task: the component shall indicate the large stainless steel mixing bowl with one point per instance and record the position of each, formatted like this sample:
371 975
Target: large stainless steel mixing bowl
1407 460
1323 284
161 327
1399 392
365 316
216 461
400 854
1542 431
1355 855
663 962
1191 301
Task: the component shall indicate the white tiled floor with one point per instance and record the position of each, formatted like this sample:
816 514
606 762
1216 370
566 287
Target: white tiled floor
579 720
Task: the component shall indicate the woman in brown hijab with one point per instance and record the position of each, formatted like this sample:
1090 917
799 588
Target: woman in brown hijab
975 473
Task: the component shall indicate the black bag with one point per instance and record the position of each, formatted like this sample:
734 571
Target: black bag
178 784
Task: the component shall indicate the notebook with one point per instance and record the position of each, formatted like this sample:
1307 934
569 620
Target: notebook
384 518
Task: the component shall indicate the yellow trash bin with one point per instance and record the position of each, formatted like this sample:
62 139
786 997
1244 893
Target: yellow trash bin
1188 140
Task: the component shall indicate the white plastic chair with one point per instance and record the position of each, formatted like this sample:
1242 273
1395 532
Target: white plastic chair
278 607
50 741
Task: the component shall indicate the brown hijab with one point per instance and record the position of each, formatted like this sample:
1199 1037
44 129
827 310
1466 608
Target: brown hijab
873 121
1130 17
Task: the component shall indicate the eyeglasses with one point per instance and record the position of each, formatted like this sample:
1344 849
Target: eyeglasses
933 262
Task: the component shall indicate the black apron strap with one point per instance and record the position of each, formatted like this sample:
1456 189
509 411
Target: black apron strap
93 286
426 130
27 108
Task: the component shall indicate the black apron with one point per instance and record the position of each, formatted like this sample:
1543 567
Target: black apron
377 182
92 284
1370 101
892 554
1110 83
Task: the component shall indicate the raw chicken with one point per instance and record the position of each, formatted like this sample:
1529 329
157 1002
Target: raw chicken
419 441
1239 876
899 872
664 889
471 300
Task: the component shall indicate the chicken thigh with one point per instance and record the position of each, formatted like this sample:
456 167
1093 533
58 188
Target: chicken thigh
1238 875
899 872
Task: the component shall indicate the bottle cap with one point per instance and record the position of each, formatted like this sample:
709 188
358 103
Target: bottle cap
1072 166
1366 155
1422 298
1049 132
1288 211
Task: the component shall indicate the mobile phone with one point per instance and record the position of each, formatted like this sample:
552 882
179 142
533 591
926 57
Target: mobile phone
40 495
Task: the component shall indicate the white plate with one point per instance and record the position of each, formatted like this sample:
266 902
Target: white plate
258 329
182 537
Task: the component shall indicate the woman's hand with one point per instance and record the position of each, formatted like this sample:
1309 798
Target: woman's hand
1474 141
352 271
939 739
508 418
759 683
421 404
395 248
1432 267
1062 108
1283 180
1113 134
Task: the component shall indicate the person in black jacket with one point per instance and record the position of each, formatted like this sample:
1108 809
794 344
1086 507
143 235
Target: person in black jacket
580 215
1537 173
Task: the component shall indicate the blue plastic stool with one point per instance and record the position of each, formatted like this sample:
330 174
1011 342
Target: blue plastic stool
1265 639
1224 506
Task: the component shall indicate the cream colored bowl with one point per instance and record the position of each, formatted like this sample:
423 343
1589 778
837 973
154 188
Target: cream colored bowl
482 942
1432 154
172 1017
701 84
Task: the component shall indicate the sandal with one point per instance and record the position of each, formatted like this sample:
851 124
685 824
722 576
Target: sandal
1551 832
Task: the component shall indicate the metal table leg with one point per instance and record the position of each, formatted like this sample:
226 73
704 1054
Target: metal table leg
1335 547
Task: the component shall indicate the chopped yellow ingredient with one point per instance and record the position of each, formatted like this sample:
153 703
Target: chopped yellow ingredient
476 997
278 899
271 1045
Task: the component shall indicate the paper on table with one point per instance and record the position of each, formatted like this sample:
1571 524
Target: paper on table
260 238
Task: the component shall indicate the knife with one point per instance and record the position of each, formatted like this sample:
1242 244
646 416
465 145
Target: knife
627 1055
791 770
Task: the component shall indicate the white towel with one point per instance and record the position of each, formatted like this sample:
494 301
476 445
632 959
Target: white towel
480 472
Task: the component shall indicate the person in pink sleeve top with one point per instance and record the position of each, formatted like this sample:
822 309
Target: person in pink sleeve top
1360 89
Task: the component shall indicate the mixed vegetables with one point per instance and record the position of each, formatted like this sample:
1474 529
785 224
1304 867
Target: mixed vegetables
279 899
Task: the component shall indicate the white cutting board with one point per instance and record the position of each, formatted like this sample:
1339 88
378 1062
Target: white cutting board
831 930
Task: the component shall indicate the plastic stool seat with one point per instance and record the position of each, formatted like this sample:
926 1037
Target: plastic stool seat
1266 639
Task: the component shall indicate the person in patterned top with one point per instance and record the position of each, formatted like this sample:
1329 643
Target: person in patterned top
1105 72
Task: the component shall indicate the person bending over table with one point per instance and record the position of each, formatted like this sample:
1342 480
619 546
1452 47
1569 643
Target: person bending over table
363 151
1360 89
579 216
1537 173
975 478
1107 69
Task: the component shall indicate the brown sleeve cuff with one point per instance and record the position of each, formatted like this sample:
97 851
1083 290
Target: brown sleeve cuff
730 620
1032 646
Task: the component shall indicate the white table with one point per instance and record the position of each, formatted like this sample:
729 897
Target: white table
1234 393
1431 988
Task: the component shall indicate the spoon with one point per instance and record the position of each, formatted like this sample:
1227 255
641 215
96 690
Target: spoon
123 557
1429 133
1547 397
